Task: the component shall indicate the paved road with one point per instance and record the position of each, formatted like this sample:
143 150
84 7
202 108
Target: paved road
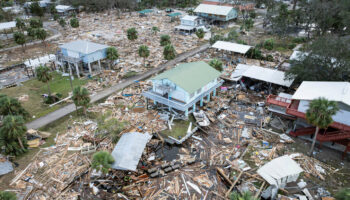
46 26
53 116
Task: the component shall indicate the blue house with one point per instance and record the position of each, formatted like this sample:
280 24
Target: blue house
216 12
81 54
182 87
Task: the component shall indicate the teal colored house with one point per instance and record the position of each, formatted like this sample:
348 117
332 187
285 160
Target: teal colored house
81 54
216 13
182 87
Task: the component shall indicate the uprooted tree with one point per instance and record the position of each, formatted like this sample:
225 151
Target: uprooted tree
102 161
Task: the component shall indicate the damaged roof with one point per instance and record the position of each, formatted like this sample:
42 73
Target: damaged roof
84 47
261 74
128 151
190 76
334 91
230 46
213 9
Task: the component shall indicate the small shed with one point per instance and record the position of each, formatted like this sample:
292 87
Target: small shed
173 15
144 12
128 151
216 12
63 9
280 171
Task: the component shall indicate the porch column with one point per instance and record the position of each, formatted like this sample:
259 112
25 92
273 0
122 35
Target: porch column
214 92
99 65
186 112
154 102
201 102
77 68
90 71
208 97
194 108
70 70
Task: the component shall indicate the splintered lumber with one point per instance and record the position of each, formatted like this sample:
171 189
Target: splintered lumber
222 173
234 183
258 193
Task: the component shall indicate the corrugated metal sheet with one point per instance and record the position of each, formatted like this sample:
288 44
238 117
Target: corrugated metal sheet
233 47
213 9
128 151
262 74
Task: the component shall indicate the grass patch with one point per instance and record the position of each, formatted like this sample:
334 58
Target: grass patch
179 128
34 89
130 74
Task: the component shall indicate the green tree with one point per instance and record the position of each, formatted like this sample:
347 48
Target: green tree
112 55
41 34
35 23
320 114
200 33
6 195
12 135
216 38
56 17
245 196
131 34
343 194
102 161
35 9
155 30
62 22
327 59
20 39
11 106
169 52
44 75
269 44
74 22
216 64
110 126
31 32
164 40
20 24
247 24
81 98
144 53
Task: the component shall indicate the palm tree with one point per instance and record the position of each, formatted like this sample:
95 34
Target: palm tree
62 22
44 75
41 34
144 53
12 135
155 30
20 24
200 33
74 23
102 161
244 196
216 64
20 39
81 97
11 106
132 34
164 40
6 195
320 114
169 52
112 55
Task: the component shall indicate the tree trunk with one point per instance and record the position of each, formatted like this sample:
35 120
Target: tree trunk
84 110
144 61
313 141
48 88
20 142
294 4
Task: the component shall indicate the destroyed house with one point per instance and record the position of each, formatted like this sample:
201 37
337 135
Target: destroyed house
216 13
182 87
296 106
81 54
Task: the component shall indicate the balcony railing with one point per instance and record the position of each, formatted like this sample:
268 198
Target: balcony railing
279 101
176 104
61 57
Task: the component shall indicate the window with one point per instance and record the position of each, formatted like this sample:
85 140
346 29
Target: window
199 90
191 95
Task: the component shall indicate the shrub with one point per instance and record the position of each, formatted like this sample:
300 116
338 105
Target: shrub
102 161
269 44
299 40
291 46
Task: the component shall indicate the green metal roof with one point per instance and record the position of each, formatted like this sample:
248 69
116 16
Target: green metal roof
145 11
174 14
190 76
